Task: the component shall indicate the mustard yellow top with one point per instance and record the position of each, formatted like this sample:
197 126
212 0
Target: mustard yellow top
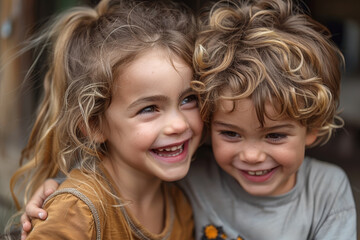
75 212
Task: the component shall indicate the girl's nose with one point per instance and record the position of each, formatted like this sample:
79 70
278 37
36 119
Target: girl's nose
176 124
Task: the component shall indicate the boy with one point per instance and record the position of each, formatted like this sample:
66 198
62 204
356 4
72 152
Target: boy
269 81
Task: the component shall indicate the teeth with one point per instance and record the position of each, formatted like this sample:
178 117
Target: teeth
174 148
170 151
258 173
171 155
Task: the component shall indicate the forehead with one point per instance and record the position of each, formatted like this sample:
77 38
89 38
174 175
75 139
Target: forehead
246 106
153 67
152 74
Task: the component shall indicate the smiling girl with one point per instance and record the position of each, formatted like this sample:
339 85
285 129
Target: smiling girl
118 118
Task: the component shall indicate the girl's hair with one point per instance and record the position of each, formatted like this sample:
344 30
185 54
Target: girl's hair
87 48
269 50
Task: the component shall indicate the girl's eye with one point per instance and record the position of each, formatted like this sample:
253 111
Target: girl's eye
275 137
148 109
191 99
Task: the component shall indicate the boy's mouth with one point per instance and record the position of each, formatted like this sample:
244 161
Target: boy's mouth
258 176
258 173
172 151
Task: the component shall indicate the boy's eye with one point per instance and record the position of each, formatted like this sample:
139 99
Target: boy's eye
230 134
275 136
148 109
191 99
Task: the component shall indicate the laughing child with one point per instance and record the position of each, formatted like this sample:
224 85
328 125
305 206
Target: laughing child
270 83
119 118
269 79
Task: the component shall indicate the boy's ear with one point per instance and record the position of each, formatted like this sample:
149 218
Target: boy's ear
311 136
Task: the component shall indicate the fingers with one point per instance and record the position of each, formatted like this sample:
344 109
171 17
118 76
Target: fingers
33 207
23 235
26 226
50 186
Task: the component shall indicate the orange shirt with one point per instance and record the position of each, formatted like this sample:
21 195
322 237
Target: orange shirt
71 215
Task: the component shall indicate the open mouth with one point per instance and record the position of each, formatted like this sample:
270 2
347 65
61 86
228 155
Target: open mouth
259 173
172 151
258 176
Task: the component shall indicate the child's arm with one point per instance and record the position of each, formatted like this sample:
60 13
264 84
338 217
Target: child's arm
70 216
33 207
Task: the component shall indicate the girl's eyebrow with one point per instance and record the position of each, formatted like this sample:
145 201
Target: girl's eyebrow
144 100
156 98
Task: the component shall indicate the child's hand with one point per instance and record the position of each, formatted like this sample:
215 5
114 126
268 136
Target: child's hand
33 207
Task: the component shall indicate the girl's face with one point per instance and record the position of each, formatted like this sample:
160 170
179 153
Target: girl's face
153 126
264 160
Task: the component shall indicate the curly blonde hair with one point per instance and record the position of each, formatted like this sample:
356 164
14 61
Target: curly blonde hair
87 49
269 50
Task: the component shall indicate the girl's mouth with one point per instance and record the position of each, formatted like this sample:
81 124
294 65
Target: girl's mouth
170 151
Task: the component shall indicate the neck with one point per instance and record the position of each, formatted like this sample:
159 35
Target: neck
144 192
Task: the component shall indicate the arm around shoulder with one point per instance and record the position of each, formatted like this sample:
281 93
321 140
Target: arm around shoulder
68 218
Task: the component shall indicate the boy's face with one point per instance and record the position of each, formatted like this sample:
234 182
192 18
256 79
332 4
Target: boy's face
264 160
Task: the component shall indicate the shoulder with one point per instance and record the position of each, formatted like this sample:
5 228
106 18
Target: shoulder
324 172
328 183
332 199
69 217
78 198
79 185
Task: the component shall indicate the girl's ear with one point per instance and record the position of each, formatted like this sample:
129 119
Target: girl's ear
311 136
99 137
95 133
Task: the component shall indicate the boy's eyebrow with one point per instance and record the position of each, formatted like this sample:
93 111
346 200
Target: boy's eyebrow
271 128
143 100
185 92
285 125
226 125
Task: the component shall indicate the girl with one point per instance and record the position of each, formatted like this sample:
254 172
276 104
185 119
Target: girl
118 118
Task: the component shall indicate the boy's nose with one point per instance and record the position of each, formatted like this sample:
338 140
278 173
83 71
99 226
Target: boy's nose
176 123
252 154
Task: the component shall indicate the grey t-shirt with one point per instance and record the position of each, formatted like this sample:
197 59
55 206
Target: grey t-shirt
320 206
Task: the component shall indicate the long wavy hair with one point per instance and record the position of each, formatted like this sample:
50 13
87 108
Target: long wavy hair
269 50
87 48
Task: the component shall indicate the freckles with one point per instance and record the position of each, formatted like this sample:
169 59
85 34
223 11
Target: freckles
140 134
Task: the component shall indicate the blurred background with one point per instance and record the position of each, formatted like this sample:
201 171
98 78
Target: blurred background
19 99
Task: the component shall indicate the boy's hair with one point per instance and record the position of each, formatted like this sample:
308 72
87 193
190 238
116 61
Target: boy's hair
87 49
269 50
